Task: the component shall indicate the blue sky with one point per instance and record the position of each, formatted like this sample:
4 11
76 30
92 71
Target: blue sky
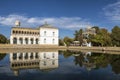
67 15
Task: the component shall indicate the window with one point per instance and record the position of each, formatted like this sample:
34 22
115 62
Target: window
36 41
45 33
26 56
26 40
44 63
19 32
20 56
21 41
53 41
14 56
14 40
53 55
36 55
13 31
31 41
53 62
31 56
45 40
44 55
53 33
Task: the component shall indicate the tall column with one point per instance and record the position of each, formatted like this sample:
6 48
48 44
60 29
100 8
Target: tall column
24 40
18 42
34 41
18 54
34 55
23 57
29 42
11 40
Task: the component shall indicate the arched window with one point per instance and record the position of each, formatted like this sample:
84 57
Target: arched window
45 33
36 55
19 32
21 41
36 41
53 41
45 63
44 55
14 40
53 33
31 40
14 56
22 32
26 40
26 56
13 32
45 40
53 55
31 56
16 32
21 56
53 62
25 32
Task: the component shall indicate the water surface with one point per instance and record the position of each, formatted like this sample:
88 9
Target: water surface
59 65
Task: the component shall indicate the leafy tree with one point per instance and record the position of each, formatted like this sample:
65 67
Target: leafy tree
102 38
115 36
67 41
76 35
97 30
2 55
61 42
3 39
79 36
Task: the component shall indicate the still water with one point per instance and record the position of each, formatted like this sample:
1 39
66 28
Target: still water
59 65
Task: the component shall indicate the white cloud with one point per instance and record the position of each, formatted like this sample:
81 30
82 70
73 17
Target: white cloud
112 11
60 22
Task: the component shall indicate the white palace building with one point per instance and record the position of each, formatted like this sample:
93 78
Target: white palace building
43 35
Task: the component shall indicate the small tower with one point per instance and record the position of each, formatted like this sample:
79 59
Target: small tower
17 23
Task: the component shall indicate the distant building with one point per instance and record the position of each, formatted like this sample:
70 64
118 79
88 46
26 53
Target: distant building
86 33
43 35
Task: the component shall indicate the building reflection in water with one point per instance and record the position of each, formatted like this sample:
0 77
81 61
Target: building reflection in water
33 60
83 59
89 65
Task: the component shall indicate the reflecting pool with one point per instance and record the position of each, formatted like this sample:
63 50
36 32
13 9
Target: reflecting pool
59 65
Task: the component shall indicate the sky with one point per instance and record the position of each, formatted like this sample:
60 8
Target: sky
67 15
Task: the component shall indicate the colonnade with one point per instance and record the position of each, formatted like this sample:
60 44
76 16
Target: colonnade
22 40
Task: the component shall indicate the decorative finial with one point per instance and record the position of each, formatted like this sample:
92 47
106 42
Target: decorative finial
17 23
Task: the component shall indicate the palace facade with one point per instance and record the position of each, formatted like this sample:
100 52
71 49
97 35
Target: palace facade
43 35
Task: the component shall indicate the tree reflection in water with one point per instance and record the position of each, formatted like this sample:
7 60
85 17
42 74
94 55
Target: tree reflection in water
94 60
2 55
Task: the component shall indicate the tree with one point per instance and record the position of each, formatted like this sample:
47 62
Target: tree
61 42
2 55
67 41
102 38
79 36
97 30
115 36
3 39
76 35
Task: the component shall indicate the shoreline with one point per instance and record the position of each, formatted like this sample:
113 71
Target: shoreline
10 47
